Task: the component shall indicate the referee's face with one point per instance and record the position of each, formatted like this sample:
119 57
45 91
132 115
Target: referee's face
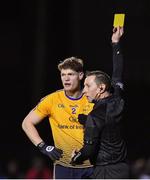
71 80
90 88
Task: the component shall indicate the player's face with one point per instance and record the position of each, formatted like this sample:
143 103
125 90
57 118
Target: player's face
90 88
71 79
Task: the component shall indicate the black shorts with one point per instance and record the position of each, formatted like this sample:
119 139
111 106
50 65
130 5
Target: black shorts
111 171
61 172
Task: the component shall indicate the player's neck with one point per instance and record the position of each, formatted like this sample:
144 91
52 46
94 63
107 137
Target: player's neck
75 94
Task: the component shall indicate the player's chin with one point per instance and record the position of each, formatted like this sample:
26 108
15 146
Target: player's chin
67 88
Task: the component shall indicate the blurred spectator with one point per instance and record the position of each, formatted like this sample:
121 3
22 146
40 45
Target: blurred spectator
39 170
146 172
12 169
137 168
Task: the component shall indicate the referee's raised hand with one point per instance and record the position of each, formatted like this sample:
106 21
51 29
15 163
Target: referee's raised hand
117 33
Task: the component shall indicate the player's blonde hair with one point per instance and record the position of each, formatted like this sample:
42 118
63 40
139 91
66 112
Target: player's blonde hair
73 63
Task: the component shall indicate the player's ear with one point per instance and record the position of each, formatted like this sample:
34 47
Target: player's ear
81 75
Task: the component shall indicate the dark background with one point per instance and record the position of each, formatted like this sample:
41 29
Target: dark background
36 35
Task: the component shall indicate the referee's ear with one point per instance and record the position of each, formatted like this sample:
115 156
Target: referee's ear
102 88
81 75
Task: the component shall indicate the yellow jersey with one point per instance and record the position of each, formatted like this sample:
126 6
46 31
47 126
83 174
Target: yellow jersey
63 117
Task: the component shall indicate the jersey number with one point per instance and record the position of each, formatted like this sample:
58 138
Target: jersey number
73 110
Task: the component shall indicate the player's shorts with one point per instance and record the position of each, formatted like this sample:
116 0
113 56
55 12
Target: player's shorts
61 172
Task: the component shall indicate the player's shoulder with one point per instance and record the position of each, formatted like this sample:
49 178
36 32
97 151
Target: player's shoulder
59 91
54 94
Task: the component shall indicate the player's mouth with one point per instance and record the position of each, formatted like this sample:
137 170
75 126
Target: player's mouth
67 84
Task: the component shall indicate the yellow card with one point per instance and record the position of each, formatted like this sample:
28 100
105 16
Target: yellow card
119 20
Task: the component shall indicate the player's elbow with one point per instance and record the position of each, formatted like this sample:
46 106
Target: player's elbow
26 125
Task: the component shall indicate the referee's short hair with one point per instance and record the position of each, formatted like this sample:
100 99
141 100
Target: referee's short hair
100 78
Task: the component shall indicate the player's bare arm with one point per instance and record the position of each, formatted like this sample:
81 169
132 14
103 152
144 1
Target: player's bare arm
28 125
